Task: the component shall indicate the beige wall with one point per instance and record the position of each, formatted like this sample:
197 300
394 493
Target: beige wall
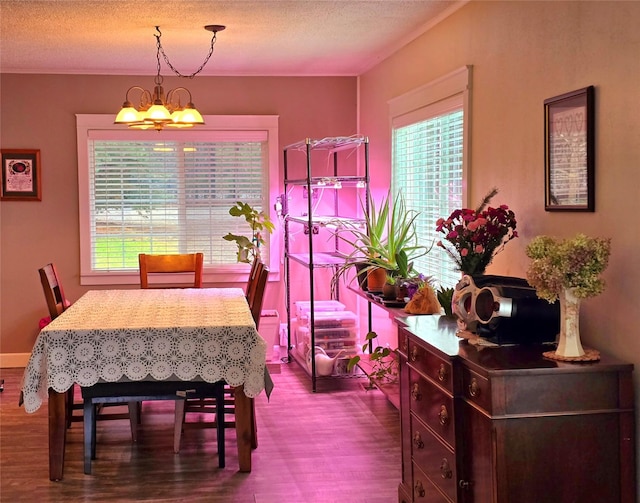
523 53
38 112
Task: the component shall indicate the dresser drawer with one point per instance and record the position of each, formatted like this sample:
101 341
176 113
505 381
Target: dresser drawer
434 367
432 405
476 389
403 341
424 491
433 458
403 495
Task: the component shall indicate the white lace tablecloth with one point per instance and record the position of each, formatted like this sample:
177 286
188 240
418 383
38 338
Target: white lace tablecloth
175 334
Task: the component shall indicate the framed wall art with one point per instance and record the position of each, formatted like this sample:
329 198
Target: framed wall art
569 151
20 175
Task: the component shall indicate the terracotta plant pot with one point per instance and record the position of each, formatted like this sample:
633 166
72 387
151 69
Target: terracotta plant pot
361 276
389 291
402 292
376 279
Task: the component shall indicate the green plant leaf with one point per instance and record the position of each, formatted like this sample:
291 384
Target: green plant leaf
249 247
445 296
353 361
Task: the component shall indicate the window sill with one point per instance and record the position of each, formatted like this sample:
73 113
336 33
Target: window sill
210 278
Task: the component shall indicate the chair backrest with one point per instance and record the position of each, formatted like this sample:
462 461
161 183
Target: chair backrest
171 264
253 276
53 291
256 300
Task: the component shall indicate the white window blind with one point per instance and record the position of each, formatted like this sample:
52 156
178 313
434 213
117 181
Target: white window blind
170 197
170 192
428 163
427 159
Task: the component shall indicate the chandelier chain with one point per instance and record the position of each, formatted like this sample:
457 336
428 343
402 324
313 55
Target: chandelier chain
166 59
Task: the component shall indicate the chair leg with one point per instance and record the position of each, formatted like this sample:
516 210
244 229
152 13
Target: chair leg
69 404
254 426
134 419
89 434
177 428
94 428
219 396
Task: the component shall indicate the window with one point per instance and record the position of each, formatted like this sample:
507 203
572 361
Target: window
170 192
428 159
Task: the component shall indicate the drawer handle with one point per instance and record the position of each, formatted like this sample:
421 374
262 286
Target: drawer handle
417 440
404 346
415 392
445 469
463 484
443 415
415 352
419 489
474 389
442 373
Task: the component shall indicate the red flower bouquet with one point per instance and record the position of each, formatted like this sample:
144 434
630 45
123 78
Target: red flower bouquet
475 236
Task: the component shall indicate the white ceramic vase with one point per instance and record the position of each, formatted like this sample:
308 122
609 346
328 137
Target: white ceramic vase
569 345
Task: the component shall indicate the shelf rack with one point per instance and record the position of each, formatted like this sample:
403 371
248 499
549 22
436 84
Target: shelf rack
333 181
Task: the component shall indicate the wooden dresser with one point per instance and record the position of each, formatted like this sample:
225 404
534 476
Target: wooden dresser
506 425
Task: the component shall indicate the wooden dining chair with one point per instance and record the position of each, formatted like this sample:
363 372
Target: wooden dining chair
171 264
252 282
57 303
200 402
189 266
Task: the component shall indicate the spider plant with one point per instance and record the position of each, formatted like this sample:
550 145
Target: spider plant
388 239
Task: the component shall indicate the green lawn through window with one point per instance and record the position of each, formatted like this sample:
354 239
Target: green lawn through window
116 253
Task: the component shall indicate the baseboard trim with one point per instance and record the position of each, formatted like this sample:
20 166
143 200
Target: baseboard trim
13 360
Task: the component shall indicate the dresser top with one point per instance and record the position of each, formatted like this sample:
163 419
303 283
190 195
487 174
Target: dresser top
439 332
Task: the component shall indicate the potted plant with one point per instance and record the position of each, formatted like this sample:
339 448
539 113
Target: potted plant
568 270
401 279
445 296
387 245
259 221
408 286
383 366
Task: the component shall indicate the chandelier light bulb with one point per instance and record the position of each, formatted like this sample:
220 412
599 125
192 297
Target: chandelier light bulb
157 112
128 114
191 115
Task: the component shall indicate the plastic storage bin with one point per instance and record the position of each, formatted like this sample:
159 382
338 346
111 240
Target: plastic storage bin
304 306
337 319
332 341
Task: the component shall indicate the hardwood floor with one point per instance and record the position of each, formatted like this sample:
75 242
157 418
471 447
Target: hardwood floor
341 444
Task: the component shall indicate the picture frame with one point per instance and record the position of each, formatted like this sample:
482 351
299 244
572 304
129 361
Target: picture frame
569 151
20 180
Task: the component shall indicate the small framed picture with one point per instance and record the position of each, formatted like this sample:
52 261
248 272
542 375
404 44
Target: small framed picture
20 175
569 151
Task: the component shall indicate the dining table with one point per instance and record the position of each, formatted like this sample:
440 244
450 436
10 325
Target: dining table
119 336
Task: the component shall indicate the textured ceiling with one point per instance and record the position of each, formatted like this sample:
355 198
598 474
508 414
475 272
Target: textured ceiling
263 37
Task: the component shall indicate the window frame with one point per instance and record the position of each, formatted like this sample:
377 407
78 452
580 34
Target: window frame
430 100
212 274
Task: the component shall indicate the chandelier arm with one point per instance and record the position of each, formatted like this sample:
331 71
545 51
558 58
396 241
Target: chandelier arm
173 69
144 95
176 93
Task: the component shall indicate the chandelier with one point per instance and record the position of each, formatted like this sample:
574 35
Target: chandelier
157 109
